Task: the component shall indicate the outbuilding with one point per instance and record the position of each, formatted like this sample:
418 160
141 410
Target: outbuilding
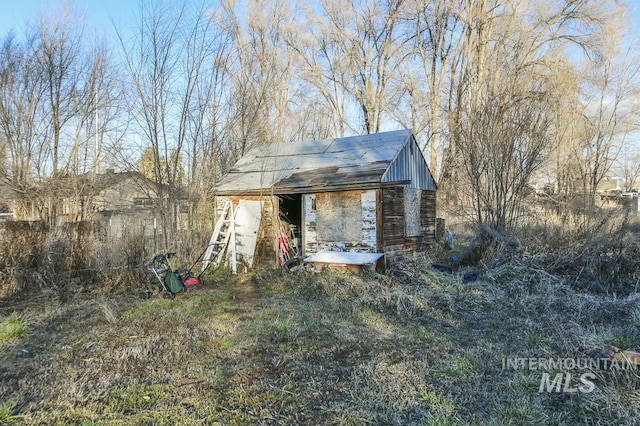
359 194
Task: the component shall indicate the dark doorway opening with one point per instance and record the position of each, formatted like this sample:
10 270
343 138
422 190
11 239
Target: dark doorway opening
291 218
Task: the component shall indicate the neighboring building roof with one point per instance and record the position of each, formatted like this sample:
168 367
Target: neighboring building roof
69 185
368 161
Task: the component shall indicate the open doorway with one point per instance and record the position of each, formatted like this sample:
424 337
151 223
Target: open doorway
291 220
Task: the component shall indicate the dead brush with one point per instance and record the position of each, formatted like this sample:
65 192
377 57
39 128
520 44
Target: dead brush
22 250
597 254
414 346
616 399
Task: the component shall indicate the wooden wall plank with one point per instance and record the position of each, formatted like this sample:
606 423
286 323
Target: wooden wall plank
395 243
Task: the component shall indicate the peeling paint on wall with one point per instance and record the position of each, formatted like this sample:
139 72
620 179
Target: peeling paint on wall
369 236
309 236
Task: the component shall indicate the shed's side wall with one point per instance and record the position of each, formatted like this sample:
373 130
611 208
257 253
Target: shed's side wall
392 226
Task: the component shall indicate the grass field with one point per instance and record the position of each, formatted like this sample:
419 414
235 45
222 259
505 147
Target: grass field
414 346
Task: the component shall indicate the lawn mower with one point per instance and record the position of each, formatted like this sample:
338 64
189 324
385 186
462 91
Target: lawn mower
160 276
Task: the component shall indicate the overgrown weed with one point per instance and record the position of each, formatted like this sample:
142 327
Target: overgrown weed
413 346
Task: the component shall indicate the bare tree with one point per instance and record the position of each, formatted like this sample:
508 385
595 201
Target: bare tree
61 64
54 87
506 95
24 133
321 73
97 109
630 171
351 52
169 62
76 104
435 42
609 101
259 70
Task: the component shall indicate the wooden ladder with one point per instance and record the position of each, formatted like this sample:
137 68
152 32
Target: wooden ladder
222 240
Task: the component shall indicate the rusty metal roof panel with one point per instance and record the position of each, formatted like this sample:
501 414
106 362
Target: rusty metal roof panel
330 164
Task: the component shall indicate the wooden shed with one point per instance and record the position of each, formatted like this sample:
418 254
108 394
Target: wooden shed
371 194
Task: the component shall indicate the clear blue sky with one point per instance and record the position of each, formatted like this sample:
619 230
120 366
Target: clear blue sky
14 14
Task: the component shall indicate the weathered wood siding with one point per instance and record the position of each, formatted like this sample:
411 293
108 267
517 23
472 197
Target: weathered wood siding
343 220
333 220
393 240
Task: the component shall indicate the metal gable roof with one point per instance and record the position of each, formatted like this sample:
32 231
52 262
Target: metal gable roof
330 164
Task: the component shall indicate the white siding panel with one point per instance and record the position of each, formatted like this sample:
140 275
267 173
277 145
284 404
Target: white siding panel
310 219
369 219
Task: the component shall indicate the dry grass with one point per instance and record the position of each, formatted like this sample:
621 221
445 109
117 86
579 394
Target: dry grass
596 253
411 347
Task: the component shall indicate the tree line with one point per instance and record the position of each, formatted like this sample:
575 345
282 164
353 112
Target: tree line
494 90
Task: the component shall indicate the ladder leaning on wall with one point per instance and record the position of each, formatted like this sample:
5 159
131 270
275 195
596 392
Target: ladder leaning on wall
223 239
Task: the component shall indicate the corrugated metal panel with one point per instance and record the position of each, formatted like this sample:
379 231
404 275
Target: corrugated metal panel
410 165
